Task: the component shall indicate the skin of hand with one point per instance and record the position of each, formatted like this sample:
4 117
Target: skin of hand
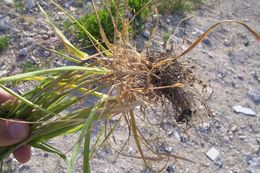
12 132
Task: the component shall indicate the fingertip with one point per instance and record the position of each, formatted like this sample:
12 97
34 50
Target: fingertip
23 154
18 131
12 132
4 96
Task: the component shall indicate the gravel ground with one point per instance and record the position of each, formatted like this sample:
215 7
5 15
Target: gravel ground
227 61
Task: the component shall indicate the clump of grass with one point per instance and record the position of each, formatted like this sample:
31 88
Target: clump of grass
109 18
181 6
166 38
140 6
137 9
29 67
133 79
4 41
90 22
18 5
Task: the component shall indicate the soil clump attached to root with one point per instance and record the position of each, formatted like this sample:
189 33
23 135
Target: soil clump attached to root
181 95
174 82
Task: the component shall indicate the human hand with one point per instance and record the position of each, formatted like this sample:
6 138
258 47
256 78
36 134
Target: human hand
12 132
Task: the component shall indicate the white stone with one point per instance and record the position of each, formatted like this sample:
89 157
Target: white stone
146 34
29 4
3 73
177 135
9 2
212 154
244 110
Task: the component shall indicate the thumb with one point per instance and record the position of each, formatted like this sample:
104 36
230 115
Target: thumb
12 132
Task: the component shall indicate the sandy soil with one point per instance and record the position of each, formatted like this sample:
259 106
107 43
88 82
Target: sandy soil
228 61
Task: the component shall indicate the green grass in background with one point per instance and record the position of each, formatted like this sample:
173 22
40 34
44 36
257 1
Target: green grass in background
181 6
29 66
4 41
90 22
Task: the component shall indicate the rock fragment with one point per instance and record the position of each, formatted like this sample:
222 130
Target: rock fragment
5 24
207 42
23 52
146 33
212 154
170 169
3 73
255 96
29 4
244 110
9 2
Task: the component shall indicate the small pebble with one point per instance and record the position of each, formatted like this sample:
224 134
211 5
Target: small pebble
212 154
129 15
5 24
204 128
46 155
168 149
207 42
233 128
46 54
219 162
254 162
255 96
45 37
242 137
164 149
246 43
256 76
3 73
168 20
146 34
23 52
9 2
147 170
170 169
221 74
258 152
29 4
67 5
227 43
177 135
258 141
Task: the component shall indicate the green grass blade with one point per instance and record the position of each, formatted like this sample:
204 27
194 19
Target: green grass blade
92 38
71 49
94 70
26 101
48 148
63 55
86 128
54 130
135 133
86 159
95 146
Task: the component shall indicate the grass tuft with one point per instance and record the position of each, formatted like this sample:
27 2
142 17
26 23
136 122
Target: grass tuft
29 67
180 6
4 41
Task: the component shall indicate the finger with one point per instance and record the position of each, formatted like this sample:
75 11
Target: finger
23 154
4 96
13 132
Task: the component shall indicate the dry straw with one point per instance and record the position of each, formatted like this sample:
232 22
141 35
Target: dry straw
132 79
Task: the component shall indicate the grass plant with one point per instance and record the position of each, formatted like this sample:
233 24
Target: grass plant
180 6
110 18
132 79
139 10
29 66
4 41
